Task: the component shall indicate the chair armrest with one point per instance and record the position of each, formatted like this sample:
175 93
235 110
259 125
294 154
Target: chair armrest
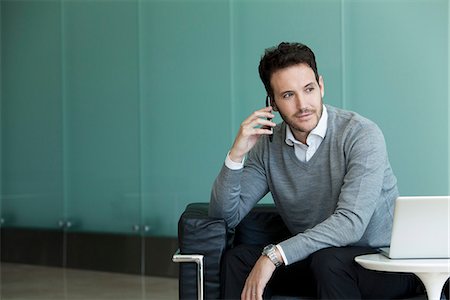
195 258
201 235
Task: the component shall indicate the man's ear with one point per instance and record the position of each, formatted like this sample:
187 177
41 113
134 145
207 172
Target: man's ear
273 104
322 86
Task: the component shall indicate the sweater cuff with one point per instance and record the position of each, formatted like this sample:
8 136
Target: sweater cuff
233 165
283 256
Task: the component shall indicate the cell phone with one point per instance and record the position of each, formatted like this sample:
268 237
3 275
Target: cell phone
269 119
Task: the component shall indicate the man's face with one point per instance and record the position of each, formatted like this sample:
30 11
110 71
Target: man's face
298 98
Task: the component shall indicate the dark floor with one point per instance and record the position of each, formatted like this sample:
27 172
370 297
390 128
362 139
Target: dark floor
23 282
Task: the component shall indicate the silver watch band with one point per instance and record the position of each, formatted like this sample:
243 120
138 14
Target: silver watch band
270 252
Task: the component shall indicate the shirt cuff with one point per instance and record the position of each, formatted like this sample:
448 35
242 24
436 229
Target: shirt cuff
233 165
283 256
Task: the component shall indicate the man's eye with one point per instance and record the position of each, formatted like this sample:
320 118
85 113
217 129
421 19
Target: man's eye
309 90
287 95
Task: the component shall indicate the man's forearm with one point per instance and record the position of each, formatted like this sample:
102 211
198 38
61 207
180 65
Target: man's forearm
235 192
225 196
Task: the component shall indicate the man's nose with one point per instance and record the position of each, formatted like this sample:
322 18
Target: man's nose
299 101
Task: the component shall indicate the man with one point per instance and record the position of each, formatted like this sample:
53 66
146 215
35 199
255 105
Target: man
329 175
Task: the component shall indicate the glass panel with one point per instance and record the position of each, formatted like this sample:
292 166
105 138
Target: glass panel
399 78
1 120
31 114
185 83
102 115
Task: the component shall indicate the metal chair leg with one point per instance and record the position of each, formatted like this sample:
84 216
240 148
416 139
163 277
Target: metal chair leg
198 259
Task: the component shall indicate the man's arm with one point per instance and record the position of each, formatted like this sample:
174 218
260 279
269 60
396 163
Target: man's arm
230 199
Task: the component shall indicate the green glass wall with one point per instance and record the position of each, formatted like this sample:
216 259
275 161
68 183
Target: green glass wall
32 148
116 114
101 114
185 112
396 73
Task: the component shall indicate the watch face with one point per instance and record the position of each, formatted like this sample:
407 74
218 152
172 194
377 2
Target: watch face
268 248
269 251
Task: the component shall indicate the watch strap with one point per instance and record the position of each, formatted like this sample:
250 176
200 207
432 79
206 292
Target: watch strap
270 252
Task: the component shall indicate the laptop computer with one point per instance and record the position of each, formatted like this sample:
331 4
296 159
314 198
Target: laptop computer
421 228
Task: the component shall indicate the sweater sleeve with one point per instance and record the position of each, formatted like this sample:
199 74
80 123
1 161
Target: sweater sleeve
235 192
365 157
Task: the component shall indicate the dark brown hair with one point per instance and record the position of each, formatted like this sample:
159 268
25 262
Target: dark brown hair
282 56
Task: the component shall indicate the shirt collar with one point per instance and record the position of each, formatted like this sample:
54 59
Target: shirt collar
320 130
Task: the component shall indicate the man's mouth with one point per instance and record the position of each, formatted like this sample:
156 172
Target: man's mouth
304 114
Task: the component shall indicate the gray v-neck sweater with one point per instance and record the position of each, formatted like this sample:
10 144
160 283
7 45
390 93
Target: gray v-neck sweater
344 195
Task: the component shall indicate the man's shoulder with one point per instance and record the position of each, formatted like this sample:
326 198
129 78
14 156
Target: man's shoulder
349 126
343 118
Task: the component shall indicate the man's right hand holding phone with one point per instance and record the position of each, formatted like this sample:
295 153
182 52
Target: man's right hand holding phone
257 124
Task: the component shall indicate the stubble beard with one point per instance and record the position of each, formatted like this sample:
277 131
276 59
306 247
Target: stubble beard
290 121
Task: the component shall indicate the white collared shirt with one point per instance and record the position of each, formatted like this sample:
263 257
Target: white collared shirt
304 152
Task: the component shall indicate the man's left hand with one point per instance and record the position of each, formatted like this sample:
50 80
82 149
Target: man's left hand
257 280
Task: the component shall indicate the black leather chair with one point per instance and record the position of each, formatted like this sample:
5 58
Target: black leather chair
203 240
200 235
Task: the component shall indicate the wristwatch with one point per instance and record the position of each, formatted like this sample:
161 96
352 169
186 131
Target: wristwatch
269 251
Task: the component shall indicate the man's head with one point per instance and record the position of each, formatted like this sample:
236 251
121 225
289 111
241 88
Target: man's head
289 73
283 56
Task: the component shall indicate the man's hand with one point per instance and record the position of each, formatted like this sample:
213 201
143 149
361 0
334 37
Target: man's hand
251 129
258 279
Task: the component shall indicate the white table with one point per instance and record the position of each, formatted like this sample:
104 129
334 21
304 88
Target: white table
432 272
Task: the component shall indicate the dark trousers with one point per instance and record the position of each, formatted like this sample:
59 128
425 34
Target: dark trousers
329 273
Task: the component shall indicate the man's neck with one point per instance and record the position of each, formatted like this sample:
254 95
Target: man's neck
300 135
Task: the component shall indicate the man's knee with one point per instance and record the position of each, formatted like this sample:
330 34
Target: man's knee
231 256
325 264
334 262
242 255
236 265
239 261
